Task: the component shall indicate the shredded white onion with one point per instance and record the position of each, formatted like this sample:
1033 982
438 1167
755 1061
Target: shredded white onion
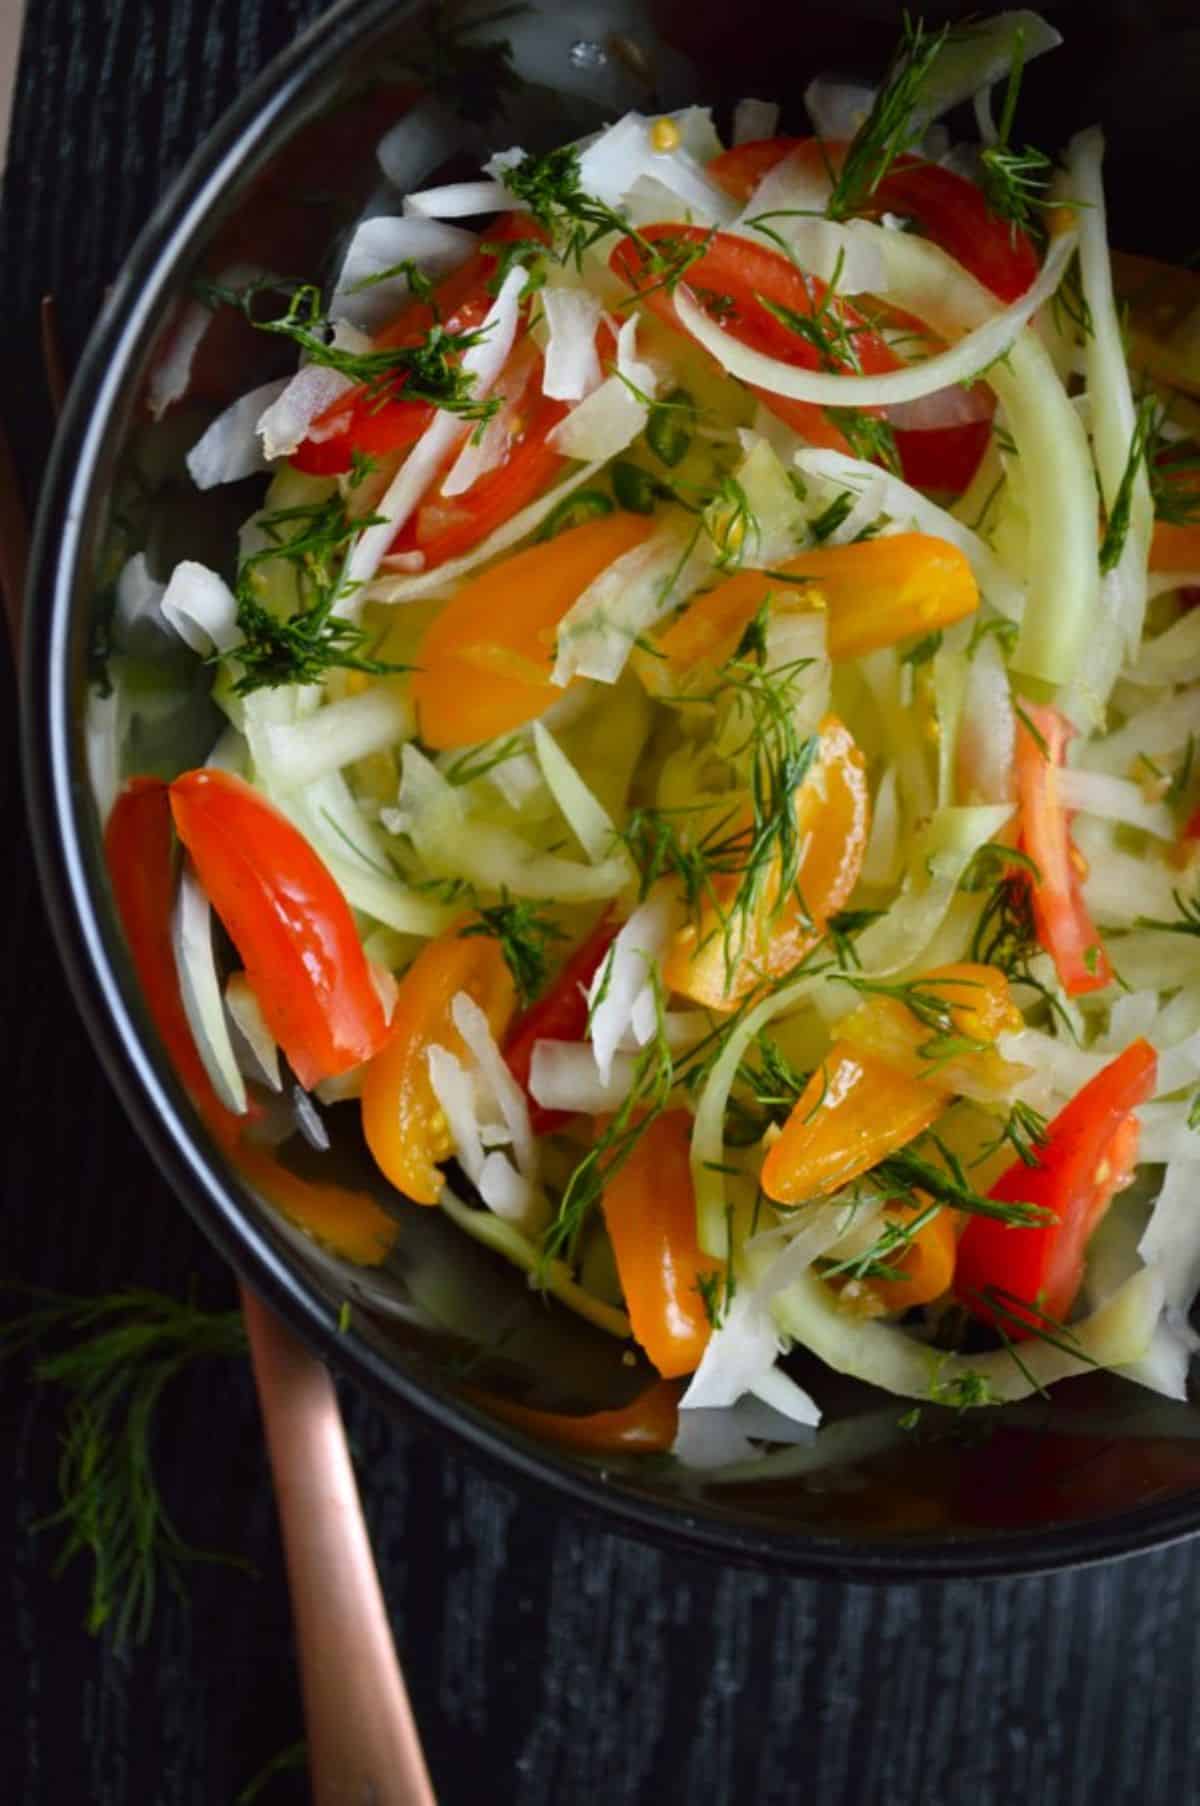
335 736
563 1075
485 451
509 1098
384 243
228 450
634 956
458 200
572 366
598 631
139 595
590 822
987 733
200 989
484 361
1114 799
248 1019
200 606
922 280
172 372
284 423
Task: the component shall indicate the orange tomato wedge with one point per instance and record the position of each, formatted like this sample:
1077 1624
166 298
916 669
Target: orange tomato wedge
401 1117
832 819
650 1212
486 662
876 592
978 1007
855 1110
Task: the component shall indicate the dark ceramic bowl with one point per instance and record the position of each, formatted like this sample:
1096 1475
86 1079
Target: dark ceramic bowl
1107 1469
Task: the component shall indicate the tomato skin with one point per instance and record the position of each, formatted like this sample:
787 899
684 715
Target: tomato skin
1087 1157
288 920
561 1015
401 1117
1064 927
650 1212
950 209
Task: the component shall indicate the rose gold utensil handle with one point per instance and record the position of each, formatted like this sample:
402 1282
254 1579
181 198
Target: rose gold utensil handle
364 1749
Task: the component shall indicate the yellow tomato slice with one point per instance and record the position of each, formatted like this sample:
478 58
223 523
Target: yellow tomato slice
486 661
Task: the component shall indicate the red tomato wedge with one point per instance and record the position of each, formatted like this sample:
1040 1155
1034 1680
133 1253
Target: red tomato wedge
1064 927
445 526
1088 1156
739 282
288 920
949 209
378 421
561 1015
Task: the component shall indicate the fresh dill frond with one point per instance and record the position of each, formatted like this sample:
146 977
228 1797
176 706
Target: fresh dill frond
893 125
773 1085
1014 181
524 933
869 437
1187 923
905 1174
928 1007
1034 1321
302 647
1024 1130
1069 305
549 186
882 1258
1032 729
1116 530
114 1357
997 628
842 930
961 1391
479 761
1006 937
1181 780
822 525
924 650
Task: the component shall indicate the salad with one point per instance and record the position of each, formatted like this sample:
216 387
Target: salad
705 773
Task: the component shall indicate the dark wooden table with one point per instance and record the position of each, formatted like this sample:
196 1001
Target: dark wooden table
550 1663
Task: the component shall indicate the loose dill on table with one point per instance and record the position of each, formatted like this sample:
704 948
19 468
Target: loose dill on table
114 1357
303 647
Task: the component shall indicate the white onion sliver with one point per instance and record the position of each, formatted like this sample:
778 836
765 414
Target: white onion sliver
285 422
200 606
503 1189
572 365
985 757
590 822
458 200
171 374
455 1092
383 243
248 1019
139 595
484 361
836 109
634 955
352 728
1114 799
917 271
200 989
482 452
781 1393
309 1120
228 450
563 1075
472 1025
740 1350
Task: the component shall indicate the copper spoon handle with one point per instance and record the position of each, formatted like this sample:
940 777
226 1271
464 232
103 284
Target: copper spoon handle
363 1745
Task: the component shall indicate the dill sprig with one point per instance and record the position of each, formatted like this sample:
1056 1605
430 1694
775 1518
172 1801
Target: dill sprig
1116 530
894 123
1014 181
906 1173
524 933
480 761
1188 922
1005 935
115 1356
429 371
718 1290
843 928
773 1084
929 1008
1024 1130
549 186
302 647
869 437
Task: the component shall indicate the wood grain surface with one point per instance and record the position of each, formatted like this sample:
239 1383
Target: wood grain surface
550 1663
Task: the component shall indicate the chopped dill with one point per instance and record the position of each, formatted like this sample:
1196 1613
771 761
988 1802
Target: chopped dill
549 186
928 1007
1188 922
842 929
893 125
823 525
1014 181
480 761
1024 1130
997 628
302 647
1035 733
924 650
524 933
868 435
1116 530
906 1173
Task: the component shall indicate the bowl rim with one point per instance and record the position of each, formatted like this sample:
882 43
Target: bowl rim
55 799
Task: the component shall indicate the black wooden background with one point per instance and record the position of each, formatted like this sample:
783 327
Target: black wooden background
550 1663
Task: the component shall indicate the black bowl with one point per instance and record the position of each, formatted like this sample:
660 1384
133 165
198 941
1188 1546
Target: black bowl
1105 1471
